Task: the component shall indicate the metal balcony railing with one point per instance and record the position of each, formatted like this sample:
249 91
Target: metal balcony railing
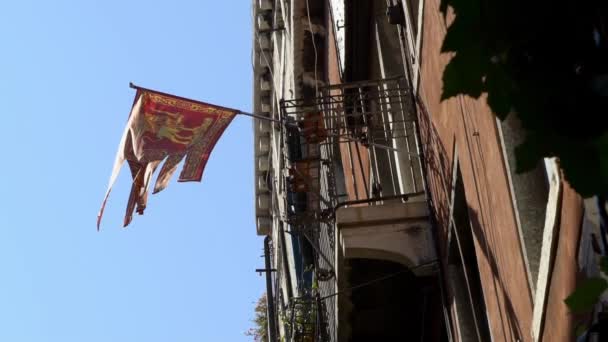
359 137
352 144
305 323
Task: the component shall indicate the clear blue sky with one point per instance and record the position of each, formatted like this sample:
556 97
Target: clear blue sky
185 270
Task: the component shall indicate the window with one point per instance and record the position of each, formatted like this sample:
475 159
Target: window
463 273
536 197
547 246
413 10
338 17
411 32
530 192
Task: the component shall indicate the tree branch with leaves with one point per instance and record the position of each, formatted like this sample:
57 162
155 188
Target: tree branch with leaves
259 331
545 62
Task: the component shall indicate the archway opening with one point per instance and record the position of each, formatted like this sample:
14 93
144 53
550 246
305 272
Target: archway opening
390 303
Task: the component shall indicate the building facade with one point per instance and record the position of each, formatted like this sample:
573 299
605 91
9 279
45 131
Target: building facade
391 215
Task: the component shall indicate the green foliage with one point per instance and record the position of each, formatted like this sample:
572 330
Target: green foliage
580 330
604 265
545 62
462 76
260 331
586 295
548 64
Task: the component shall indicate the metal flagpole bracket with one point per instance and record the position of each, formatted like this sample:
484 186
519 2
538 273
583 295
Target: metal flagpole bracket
263 117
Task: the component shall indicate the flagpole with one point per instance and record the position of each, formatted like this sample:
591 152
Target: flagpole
256 116
261 117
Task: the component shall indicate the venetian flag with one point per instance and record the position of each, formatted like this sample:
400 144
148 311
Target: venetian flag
163 130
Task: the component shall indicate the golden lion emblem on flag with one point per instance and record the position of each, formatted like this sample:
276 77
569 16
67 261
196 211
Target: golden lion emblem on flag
169 129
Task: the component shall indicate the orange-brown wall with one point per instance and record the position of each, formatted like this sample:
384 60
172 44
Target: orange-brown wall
466 127
559 324
354 175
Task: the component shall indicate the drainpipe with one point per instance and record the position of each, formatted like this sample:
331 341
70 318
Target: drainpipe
272 330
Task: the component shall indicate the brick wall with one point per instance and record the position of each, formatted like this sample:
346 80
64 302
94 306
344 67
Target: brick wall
464 128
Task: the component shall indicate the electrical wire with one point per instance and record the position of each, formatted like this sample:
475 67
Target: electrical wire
377 280
314 45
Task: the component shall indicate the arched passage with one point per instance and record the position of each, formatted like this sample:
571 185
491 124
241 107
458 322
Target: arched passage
379 254
390 303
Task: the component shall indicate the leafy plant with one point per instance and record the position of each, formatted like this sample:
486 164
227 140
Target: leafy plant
300 319
545 62
587 294
260 331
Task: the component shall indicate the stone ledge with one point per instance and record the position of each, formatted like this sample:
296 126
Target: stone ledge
387 214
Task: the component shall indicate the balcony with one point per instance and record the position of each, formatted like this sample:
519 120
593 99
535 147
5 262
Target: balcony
361 137
354 186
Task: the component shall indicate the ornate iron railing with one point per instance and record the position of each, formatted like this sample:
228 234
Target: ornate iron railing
352 144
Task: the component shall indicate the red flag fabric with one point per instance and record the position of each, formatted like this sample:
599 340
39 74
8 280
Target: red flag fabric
163 127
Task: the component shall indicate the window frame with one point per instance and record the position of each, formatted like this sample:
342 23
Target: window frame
451 235
413 41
